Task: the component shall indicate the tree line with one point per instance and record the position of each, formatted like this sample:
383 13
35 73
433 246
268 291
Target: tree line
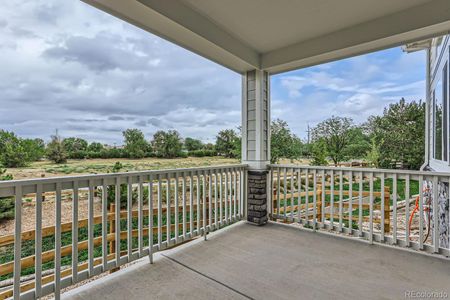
393 139
19 152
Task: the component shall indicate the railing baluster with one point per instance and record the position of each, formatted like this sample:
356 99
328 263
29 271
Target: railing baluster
383 217
130 218
191 204
278 191
314 200
17 240
184 205
215 200
235 195
332 200
306 195
226 196
371 207
176 212
350 203
323 199
210 200
204 204
241 194
91 229
197 181
299 198
407 239
435 215
221 198
341 197
141 217
104 225
168 208
150 218
360 199
394 204
58 215
160 211
38 242
117 201
292 194
74 233
230 196
285 192
421 212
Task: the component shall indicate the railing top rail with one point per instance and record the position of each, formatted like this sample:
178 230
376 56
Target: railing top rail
10 183
366 170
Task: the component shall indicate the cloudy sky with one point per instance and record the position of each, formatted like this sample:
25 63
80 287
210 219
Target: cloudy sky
68 66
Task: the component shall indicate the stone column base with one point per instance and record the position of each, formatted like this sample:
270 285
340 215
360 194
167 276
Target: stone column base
257 197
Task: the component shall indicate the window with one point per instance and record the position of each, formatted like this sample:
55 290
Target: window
441 117
438 116
445 114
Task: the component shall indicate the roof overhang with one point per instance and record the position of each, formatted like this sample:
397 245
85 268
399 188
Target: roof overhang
283 35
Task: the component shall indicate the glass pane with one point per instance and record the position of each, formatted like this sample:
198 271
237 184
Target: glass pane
438 121
445 112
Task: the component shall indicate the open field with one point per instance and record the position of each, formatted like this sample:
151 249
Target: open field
99 166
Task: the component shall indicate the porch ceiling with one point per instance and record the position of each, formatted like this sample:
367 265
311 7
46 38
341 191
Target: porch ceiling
285 34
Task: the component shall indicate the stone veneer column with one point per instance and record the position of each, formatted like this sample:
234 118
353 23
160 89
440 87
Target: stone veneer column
257 197
256 141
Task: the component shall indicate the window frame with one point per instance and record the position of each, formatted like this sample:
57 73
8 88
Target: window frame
440 73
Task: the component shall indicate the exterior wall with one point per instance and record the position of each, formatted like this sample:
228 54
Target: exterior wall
438 79
438 73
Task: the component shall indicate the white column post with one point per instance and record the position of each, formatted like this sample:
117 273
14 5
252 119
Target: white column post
256 119
256 142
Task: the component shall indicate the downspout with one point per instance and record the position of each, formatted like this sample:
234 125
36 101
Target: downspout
427 112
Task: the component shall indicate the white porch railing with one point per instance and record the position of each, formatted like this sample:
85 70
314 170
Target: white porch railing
385 206
181 204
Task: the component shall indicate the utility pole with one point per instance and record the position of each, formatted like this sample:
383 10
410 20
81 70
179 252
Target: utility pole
308 131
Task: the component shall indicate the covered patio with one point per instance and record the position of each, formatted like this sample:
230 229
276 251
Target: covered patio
355 209
274 262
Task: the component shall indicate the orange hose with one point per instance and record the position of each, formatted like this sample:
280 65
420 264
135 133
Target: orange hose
416 208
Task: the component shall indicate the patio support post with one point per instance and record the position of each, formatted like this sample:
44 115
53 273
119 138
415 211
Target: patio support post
256 141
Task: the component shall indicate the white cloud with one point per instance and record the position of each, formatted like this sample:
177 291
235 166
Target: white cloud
357 87
67 65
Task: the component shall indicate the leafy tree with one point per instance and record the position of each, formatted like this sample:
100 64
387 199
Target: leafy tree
135 144
228 143
95 147
167 144
35 148
192 144
6 204
74 144
209 147
359 143
56 151
319 153
284 143
335 132
374 155
12 152
399 133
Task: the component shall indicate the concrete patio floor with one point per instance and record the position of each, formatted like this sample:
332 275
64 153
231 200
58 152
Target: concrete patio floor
274 262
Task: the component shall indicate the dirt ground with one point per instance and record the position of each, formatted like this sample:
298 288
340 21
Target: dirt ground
73 167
